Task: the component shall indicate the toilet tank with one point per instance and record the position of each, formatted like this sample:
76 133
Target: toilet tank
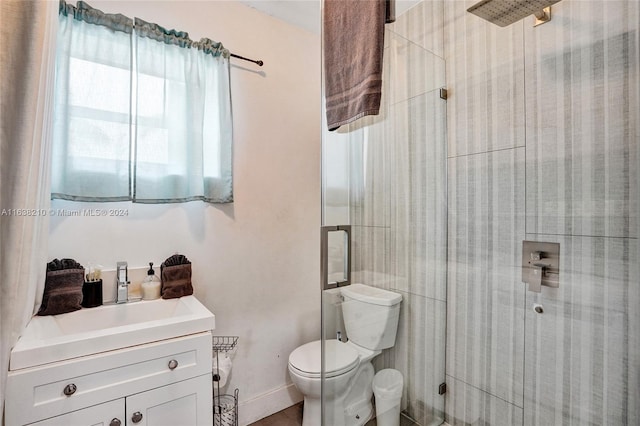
370 315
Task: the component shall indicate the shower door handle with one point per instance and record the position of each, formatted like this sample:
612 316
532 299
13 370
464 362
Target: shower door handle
324 257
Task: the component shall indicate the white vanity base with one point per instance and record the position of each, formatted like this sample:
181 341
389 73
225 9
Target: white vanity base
167 382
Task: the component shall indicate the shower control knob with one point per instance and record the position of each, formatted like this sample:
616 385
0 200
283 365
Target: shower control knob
538 308
173 364
137 416
70 389
115 422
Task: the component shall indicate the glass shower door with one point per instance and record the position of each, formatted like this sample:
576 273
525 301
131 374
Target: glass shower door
385 177
336 266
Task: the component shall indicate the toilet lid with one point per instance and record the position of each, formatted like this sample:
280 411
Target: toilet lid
307 359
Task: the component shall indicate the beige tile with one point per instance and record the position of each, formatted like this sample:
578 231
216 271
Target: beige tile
467 405
485 293
419 214
419 356
583 120
583 343
423 25
413 70
485 79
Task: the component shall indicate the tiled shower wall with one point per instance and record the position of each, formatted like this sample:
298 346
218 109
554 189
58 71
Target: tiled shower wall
542 136
486 181
543 144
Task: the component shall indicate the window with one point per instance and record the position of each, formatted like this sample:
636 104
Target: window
141 113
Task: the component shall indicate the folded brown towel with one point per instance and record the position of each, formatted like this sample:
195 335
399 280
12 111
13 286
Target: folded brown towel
59 264
176 278
353 48
176 259
62 291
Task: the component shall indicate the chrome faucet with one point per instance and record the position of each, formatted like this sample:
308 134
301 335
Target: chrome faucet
122 283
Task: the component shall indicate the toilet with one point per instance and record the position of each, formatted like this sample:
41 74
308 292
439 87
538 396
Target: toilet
371 321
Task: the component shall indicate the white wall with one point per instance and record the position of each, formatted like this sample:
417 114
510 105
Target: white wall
255 262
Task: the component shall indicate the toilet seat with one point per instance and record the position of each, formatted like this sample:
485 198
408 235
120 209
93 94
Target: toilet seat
306 360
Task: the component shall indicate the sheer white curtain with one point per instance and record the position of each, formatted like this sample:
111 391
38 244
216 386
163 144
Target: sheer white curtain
27 62
91 153
183 117
145 118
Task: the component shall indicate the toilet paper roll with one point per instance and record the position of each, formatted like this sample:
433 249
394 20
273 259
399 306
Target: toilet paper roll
221 369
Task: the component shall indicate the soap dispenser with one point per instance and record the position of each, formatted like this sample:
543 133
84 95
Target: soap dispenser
151 285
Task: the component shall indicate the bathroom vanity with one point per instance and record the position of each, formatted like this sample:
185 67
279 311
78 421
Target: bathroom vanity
143 363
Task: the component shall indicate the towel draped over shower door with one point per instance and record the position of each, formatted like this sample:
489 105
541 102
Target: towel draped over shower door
353 41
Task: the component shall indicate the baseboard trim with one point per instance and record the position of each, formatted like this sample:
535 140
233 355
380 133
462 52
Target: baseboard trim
267 404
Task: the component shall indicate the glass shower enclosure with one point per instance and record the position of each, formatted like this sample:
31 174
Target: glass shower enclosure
535 139
385 177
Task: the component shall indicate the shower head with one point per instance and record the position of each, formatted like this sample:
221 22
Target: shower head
506 12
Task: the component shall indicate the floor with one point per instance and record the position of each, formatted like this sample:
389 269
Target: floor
292 416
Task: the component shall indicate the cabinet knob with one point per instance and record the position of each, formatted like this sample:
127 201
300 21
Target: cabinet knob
115 422
70 389
137 416
173 364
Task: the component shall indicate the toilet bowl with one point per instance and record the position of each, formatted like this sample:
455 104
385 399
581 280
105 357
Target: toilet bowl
348 378
371 319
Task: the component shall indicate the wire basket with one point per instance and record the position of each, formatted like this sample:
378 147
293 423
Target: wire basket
224 343
225 409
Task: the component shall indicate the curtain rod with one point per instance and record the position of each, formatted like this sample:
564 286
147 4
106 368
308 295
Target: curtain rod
258 62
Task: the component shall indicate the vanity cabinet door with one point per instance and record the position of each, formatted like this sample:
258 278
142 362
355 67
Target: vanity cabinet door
40 392
110 413
186 403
